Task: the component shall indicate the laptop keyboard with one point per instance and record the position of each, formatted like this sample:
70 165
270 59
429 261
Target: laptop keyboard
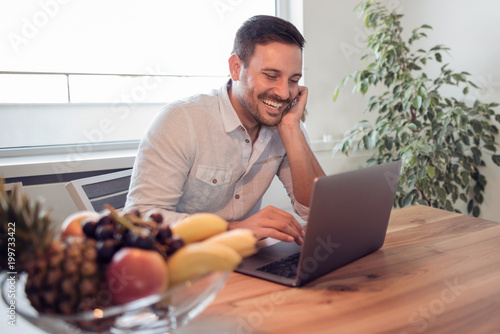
285 267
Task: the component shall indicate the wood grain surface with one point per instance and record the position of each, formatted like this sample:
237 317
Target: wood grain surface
438 272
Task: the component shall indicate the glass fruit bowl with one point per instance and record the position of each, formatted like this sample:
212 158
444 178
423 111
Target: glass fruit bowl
160 313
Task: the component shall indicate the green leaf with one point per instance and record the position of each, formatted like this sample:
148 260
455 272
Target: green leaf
408 199
427 190
476 156
439 116
364 86
366 142
467 166
404 138
441 193
463 198
367 20
448 206
477 126
417 102
479 198
476 211
412 126
422 91
408 92
346 79
336 95
481 180
388 142
427 102
470 206
464 120
413 162
490 148
431 171
438 57
425 148
496 159
466 177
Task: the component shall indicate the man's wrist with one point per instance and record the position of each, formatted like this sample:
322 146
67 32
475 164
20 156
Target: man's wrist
290 131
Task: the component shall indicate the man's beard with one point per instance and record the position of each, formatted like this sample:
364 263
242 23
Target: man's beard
253 109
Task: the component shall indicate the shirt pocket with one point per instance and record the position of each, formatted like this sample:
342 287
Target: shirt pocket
213 176
210 190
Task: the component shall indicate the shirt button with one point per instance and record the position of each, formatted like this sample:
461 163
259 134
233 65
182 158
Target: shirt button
247 141
237 196
214 181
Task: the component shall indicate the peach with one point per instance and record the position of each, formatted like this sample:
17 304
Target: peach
71 226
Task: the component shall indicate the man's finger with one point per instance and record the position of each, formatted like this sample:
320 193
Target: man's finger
288 217
275 234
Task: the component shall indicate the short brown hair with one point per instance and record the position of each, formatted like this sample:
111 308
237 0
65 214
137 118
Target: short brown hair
264 29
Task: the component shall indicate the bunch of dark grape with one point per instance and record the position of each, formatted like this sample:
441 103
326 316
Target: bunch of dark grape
113 231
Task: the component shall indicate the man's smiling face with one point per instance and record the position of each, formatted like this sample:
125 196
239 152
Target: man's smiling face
269 82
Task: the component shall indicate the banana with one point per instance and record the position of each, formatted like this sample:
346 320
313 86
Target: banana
199 226
197 259
241 240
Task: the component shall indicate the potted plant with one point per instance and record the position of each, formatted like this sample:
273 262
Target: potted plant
443 141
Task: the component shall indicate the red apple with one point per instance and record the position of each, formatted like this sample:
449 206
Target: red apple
134 273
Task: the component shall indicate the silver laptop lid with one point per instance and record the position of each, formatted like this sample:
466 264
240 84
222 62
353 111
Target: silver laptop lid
348 218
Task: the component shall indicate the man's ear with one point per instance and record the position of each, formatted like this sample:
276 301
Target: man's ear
235 66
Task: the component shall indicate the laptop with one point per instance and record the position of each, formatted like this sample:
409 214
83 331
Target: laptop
348 219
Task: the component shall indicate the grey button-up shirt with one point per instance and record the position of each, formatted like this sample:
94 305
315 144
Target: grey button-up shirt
197 157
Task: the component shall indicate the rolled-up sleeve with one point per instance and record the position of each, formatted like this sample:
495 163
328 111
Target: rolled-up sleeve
286 178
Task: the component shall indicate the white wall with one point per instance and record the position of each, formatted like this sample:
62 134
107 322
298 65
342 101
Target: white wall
335 36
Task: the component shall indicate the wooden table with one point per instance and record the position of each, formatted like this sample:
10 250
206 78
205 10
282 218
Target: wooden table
438 272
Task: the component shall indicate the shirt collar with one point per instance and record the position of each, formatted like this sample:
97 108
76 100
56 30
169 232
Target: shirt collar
230 119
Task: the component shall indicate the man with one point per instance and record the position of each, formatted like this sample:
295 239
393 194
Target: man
219 152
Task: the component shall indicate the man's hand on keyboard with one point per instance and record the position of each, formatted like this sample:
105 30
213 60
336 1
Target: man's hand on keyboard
272 222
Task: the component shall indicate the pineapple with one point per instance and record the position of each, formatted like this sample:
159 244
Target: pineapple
64 277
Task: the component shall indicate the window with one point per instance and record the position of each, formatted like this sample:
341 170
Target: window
93 71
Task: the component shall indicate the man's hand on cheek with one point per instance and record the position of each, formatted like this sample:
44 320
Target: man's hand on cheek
272 222
293 115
